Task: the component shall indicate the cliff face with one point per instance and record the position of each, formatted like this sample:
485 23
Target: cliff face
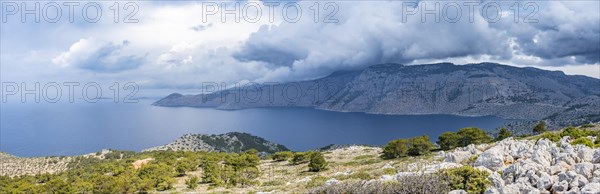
229 142
471 90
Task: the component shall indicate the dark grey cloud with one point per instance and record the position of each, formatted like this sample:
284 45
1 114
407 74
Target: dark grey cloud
370 33
565 29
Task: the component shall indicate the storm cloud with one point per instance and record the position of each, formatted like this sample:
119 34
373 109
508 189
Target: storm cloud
556 33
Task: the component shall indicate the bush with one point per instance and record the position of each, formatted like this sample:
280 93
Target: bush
587 126
282 156
551 136
472 135
317 162
503 134
583 141
192 182
572 132
300 158
419 145
466 178
395 149
448 140
415 146
540 128
390 171
316 181
362 175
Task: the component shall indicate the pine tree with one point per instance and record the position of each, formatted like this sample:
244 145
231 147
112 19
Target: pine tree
317 162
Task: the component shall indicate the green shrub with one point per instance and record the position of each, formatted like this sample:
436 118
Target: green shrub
448 140
470 161
583 141
415 146
390 171
597 142
539 128
316 181
362 175
466 178
419 145
300 158
572 132
587 126
551 136
503 134
472 135
317 162
282 156
395 149
192 182
273 183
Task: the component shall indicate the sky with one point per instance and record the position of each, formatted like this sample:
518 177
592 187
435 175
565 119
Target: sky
179 45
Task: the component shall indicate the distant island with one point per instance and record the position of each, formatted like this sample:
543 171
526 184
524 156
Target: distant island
524 95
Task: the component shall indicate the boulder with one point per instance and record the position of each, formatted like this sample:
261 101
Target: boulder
510 189
492 191
496 179
559 167
591 188
492 159
542 157
457 192
584 153
386 177
545 182
331 182
561 186
584 169
578 181
596 156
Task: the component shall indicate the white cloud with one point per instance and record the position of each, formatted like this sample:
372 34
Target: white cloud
97 55
172 47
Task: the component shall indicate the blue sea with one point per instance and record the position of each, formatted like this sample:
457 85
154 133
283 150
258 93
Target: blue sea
46 129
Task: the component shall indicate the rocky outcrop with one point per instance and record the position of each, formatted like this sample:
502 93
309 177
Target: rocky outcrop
529 166
15 166
230 142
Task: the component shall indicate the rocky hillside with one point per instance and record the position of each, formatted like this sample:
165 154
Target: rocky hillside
230 142
530 166
527 94
14 166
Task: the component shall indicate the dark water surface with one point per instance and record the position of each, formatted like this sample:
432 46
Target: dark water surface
79 128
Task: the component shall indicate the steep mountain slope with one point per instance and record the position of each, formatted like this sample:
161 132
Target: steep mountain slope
230 142
471 90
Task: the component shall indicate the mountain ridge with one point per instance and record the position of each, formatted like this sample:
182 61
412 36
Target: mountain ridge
479 89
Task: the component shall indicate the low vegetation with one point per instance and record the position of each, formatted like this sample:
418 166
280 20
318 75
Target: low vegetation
466 178
464 137
415 146
352 170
